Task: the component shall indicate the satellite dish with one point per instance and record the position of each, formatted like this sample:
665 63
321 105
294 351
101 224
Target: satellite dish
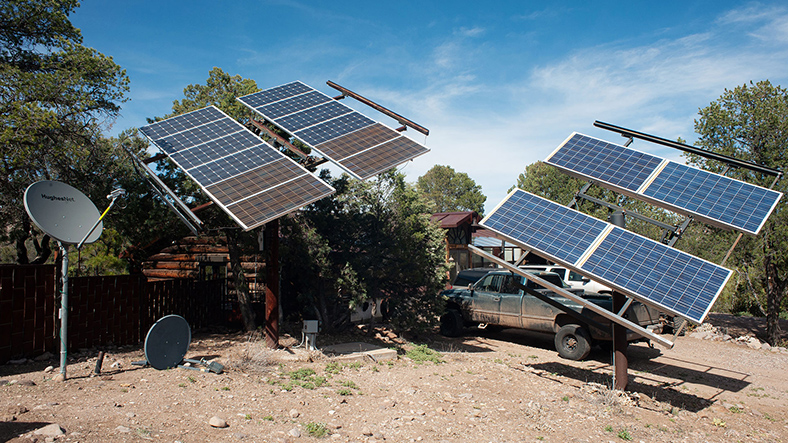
62 211
167 342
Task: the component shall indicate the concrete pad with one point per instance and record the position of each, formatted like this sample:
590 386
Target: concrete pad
359 351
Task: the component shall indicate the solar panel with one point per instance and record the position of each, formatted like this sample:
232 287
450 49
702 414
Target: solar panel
358 144
666 278
715 199
249 179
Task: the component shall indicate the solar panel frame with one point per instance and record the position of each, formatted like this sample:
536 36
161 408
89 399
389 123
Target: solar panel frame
594 248
249 179
323 124
670 185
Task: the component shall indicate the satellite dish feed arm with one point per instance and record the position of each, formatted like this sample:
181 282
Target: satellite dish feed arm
114 196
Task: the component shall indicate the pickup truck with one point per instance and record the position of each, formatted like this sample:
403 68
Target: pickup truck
497 299
572 278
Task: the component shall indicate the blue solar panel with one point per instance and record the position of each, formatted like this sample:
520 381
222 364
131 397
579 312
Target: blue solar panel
278 93
644 269
330 130
545 226
311 116
329 127
715 199
294 104
599 159
741 205
246 177
667 277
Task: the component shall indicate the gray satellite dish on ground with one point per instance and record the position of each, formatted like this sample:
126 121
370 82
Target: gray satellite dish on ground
62 211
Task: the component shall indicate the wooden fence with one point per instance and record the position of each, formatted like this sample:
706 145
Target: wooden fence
116 310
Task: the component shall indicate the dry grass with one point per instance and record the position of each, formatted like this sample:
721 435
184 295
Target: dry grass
255 356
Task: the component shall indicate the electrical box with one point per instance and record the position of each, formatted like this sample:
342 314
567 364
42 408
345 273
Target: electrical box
310 327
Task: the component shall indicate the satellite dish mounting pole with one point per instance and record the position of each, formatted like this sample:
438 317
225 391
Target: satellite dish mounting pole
63 309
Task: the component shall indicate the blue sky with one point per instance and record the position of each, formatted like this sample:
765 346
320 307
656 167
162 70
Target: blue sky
499 84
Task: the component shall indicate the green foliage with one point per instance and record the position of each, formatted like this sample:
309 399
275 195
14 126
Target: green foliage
624 434
451 191
422 353
750 122
372 240
220 90
55 95
317 430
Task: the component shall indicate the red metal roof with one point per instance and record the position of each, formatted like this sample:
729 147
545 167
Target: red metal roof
455 219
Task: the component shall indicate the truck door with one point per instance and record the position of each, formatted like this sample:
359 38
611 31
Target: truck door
510 301
487 299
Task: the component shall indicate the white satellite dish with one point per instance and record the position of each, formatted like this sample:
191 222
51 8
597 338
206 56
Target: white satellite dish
62 211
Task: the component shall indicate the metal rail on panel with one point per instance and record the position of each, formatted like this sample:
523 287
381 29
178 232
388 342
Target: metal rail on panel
173 202
687 148
400 119
583 302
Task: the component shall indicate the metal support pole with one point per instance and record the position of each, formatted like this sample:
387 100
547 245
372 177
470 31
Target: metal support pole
64 311
620 360
271 240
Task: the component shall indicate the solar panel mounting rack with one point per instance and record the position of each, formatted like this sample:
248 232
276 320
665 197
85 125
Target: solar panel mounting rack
643 269
359 145
249 179
718 200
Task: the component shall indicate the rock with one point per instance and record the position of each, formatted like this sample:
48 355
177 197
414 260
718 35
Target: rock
295 432
15 411
21 361
294 413
117 364
766 346
59 377
49 369
366 431
239 435
45 356
53 430
123 429
217 422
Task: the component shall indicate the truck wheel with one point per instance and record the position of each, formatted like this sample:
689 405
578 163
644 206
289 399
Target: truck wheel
572 342
451 323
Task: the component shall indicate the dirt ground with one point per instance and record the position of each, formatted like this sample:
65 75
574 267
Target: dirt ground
485 386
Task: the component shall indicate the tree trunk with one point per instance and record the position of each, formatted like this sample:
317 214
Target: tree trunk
21 236
241 288
774 296
774 292
43 250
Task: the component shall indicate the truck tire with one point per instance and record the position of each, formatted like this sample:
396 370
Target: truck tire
452 323
572 342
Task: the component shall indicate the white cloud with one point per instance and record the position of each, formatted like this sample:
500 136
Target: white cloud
655 88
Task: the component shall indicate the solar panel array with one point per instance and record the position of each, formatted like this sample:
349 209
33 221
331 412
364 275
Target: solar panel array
644 269
358 144
713 198
249 179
